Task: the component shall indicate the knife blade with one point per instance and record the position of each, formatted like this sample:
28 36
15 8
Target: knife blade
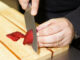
30 24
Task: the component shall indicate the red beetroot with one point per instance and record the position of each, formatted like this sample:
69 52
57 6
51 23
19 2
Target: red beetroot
28 37
18 34
13 37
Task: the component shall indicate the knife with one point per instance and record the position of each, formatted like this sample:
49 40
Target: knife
30 24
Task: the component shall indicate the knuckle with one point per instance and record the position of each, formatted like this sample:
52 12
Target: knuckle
57 28
69 32
67 23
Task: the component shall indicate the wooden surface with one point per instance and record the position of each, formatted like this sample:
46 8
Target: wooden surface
12 21
5 53
12 3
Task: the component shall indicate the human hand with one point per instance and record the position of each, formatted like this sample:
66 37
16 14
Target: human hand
35 4
57 32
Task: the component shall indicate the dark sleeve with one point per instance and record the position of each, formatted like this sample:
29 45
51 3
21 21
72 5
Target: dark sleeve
74 17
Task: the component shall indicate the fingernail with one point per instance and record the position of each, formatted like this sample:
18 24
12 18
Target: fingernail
33 12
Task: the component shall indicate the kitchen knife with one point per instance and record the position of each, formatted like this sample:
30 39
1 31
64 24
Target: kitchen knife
30 24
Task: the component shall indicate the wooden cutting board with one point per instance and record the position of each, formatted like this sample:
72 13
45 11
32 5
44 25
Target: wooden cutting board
12 21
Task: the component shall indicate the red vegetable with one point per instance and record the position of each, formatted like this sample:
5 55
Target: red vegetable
28 37
15 36
18 34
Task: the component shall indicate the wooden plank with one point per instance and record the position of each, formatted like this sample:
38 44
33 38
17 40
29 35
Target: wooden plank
5 54
22 51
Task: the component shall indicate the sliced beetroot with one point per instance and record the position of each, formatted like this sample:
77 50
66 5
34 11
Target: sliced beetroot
13 37
18 34
28 37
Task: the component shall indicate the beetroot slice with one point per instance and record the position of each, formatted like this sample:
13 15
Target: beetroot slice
18 34
15 36
28 37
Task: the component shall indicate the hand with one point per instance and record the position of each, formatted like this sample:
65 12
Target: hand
57 32
35 4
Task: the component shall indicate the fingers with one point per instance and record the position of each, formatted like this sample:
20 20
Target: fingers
66 41
51 39
59 42
49 30
44 25
58 34
24 3
35 5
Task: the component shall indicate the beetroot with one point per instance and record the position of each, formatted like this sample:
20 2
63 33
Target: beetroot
28 38
14 38
18 34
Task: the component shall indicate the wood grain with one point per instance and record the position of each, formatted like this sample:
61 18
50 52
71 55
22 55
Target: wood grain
5 54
